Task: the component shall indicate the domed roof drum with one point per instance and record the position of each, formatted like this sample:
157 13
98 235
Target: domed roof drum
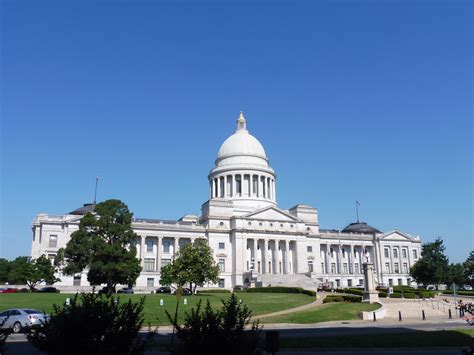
360 227
242 148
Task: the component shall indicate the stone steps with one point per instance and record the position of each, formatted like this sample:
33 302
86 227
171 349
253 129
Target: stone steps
288 281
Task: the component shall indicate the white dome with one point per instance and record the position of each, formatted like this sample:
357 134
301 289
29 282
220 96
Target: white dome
241 143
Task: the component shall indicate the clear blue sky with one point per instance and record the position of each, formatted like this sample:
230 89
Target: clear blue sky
366 100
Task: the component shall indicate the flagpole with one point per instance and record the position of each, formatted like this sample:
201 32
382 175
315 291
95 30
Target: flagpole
357 210
95 193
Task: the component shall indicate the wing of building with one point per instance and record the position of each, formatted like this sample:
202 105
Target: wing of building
254 240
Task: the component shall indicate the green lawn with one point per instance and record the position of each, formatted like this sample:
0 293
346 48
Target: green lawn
259 303
324 313
409 339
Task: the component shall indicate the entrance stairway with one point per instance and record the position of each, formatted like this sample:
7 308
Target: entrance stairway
300 280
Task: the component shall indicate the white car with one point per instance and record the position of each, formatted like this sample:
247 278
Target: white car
467 287
21 318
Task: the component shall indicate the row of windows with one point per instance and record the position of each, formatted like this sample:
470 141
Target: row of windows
404 253
150 282
396 267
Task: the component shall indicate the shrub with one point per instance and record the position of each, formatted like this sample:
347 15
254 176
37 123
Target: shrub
95 325
223 290
382 294
396 295
461 293
350 298
353 291
309 293
337 298
425 294
277 289
209 332
409 295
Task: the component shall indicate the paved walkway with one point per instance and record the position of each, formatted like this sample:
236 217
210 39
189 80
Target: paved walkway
318 302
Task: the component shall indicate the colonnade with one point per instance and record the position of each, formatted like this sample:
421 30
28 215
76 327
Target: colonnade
338 259
265 256
243 185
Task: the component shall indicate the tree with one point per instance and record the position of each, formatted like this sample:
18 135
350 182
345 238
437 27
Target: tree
455 275
4 270
209 332
32 272
432 267
92 326
194 264
469 268
104 244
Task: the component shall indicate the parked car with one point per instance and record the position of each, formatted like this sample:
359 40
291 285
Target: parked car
8 290
186 291
127 290
105 289
19 319
467 287
48 289
163 289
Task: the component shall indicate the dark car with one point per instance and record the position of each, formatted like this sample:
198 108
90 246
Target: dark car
106 290
8 290
163 289
128 290
186 291
49 289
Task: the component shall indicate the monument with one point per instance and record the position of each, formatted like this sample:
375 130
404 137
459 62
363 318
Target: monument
370 294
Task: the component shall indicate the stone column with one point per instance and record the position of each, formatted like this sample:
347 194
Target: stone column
158 253
286 269
142 251
218 187
176 246
352 260
265 257
274 190
225 186
277 259
255 245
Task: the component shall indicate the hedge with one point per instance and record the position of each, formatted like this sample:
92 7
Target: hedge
281 289
200 292
409 295
461 293
342 298
353 291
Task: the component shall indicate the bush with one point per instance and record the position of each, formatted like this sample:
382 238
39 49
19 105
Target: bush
309 293
461 293
209 332
223 290
350 298
95 325
396 295
277 289
409 295
337 298
353 291
382 294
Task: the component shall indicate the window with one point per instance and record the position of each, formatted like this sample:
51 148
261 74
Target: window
385 253
397 268
390 282
322 267
238 184
149 246
338 283
357 268
221 245
150 282
222 265
77 280
344 268
400 283
395 253
149 264
51 257
415 254
343 253
166 246
165 262
183 242
387 267
221 283
349 283
333 268
53 241
361 282
405 268
309 249
404 253
310 266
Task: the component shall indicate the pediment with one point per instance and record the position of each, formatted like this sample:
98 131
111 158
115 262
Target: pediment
396 235
271 214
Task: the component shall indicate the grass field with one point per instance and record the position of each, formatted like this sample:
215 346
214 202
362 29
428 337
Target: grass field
409 339
259 303
324 313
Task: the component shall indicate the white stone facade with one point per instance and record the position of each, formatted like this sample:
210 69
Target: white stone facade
249 234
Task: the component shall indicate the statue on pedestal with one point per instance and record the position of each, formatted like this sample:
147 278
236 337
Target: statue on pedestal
370 294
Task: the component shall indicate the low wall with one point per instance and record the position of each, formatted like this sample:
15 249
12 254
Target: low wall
379 314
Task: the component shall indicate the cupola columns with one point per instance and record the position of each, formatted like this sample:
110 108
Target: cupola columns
241 122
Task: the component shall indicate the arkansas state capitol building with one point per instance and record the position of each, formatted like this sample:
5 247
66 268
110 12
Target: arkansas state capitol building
254 241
